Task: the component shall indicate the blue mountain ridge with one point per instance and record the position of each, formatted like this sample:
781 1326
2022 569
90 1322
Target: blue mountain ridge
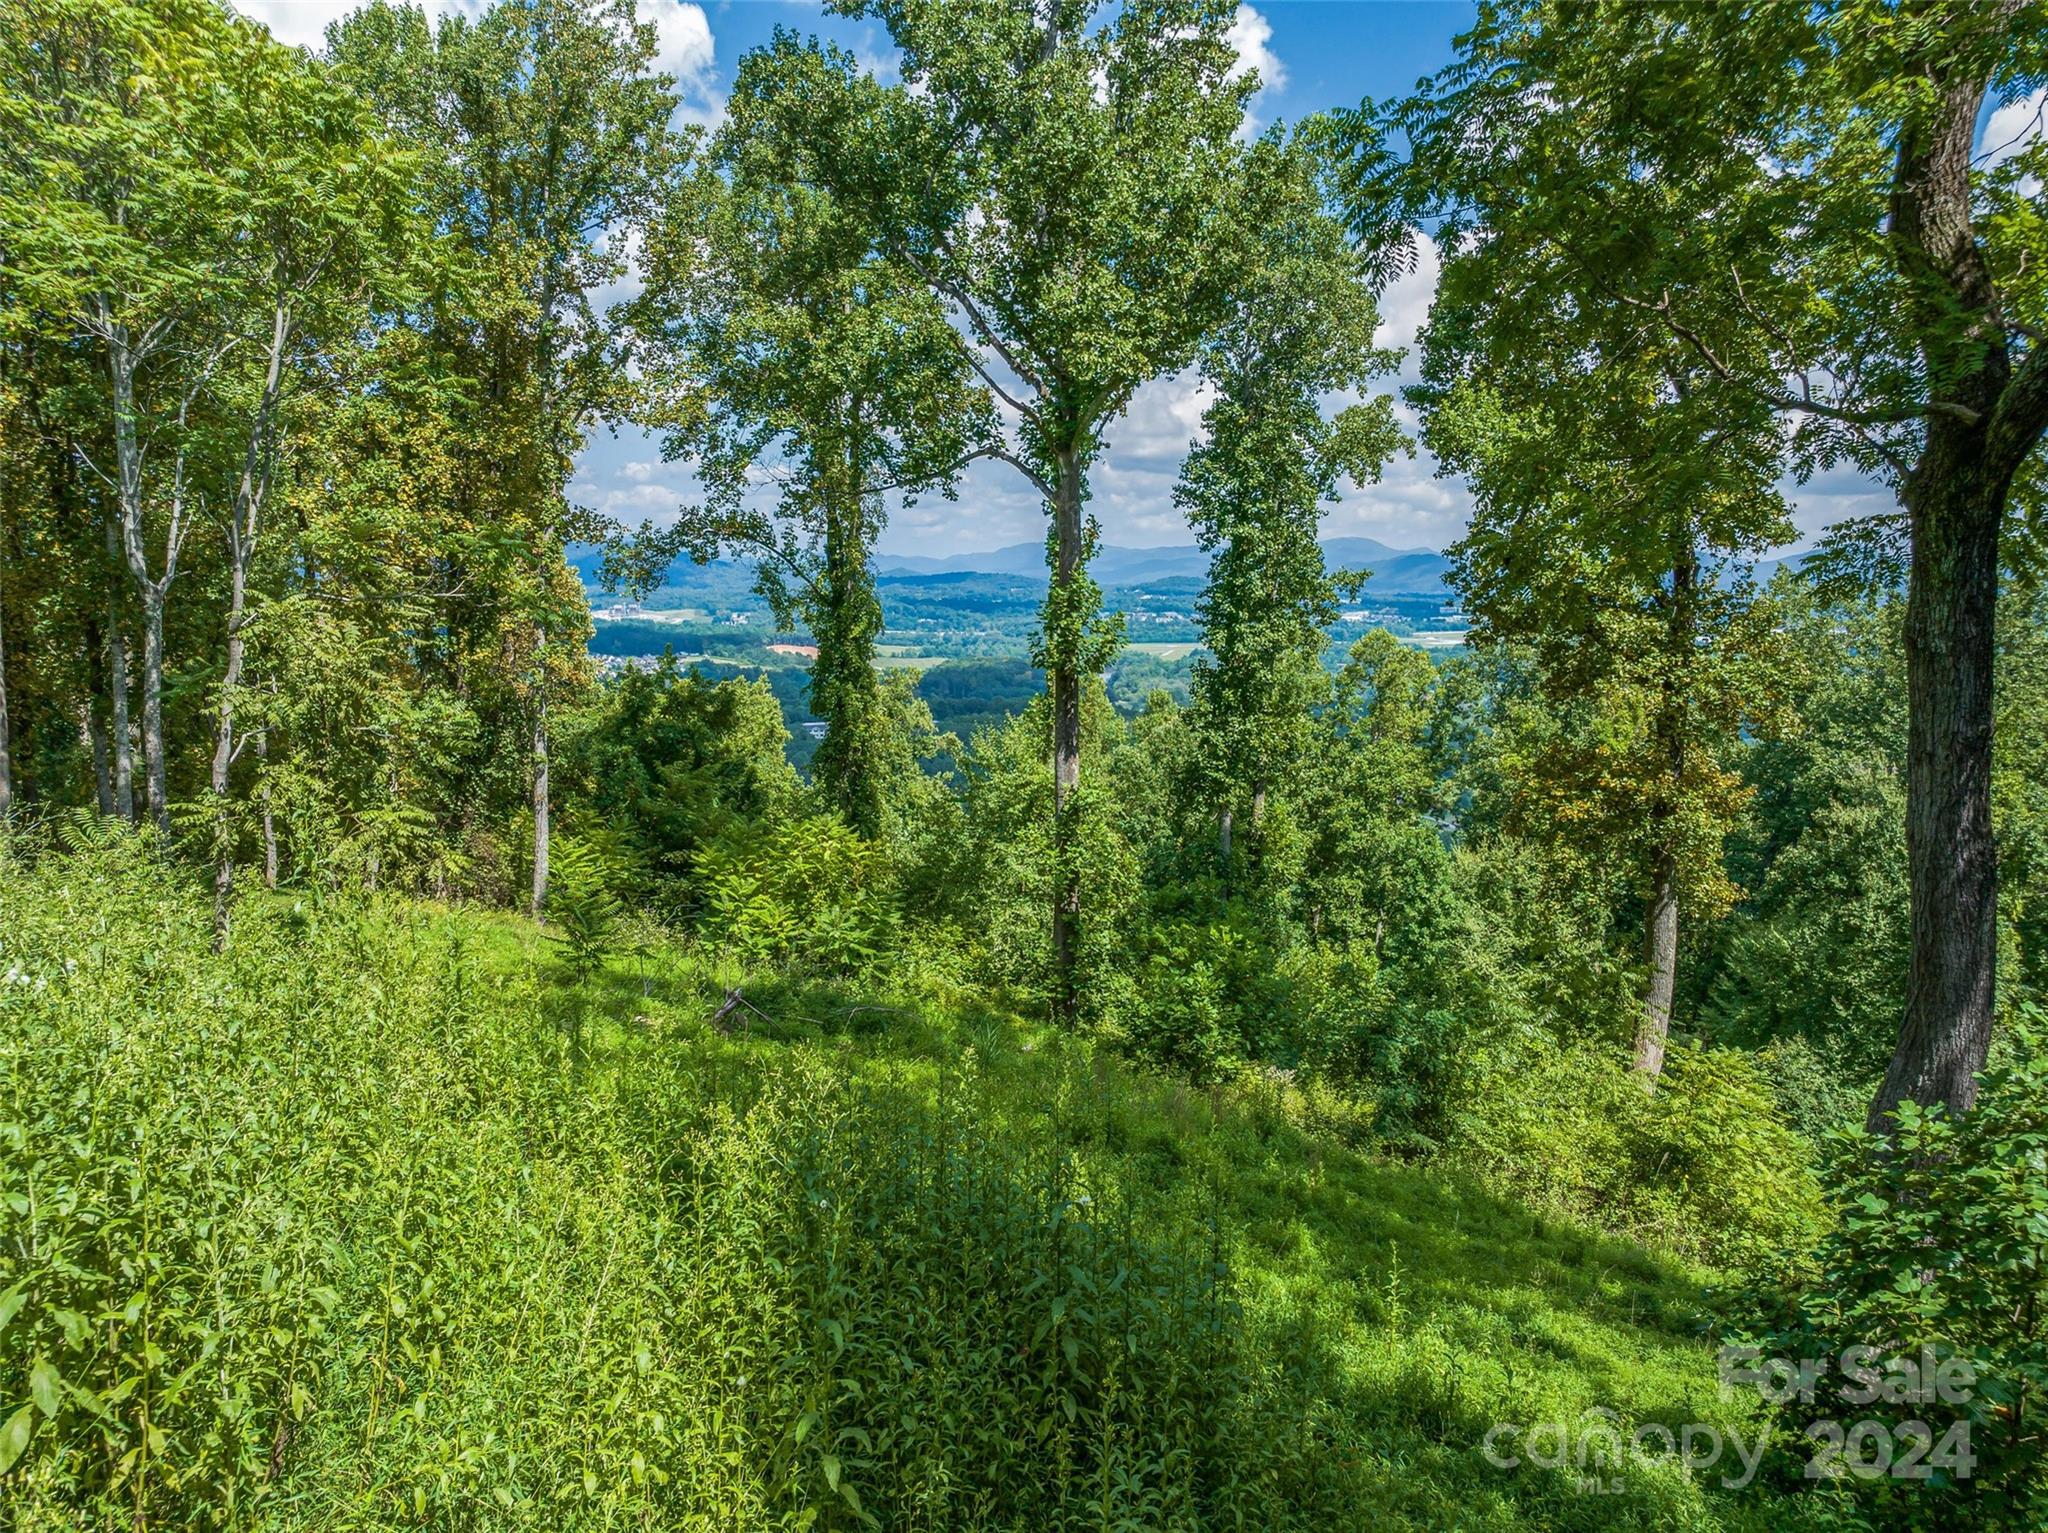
1395 571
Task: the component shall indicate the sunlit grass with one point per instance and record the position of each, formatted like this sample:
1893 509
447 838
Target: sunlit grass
378 1223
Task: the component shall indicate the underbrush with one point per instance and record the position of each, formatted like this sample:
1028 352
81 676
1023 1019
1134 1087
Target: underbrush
351 1227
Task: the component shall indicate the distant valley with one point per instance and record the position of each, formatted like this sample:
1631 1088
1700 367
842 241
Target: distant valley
966 622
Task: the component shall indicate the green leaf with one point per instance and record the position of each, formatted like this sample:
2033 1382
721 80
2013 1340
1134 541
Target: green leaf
45 1387
15 1435
12 1301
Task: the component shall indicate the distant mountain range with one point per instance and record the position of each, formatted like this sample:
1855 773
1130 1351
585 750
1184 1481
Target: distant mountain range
1395 571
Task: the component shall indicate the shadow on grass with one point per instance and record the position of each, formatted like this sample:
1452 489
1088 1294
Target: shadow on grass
1405 1309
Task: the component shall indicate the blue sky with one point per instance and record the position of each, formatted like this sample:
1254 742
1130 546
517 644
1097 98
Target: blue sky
1311 55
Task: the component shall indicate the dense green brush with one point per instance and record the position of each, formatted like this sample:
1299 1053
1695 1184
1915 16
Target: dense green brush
335 1231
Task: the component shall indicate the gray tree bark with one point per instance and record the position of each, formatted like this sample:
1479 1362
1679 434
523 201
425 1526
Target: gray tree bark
1984 418
244 527
122 362
1660 955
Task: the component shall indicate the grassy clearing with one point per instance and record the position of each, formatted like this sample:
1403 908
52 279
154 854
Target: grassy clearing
373 1225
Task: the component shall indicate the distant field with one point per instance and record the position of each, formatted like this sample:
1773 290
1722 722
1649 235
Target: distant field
899 661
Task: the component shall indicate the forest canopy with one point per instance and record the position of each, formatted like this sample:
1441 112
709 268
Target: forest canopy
1696 905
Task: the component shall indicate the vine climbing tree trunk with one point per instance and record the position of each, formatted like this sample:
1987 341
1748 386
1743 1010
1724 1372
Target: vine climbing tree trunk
6 748
540 807
263 795
1063 646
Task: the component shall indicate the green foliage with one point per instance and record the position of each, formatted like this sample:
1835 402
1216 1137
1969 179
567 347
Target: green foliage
1937 1248
1299 329
669 761
1706 1163
809 890
583 905
321 1232
782 344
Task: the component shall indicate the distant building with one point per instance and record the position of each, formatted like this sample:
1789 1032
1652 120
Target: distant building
815 728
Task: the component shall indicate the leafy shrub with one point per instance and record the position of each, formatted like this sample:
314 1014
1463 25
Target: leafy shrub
808 889
583 905
1705 1162
1205 998
1939 1248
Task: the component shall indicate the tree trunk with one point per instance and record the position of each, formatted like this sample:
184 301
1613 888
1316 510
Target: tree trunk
540 809
846 621
117 722
1660 925
1985 421
1950 615
153 705
95 721
269 821
1223 827
244 527
117 695
6 749
121 365
96 742
224 739
1063 645
1660 957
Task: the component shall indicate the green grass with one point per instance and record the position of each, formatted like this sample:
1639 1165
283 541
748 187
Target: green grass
374 1224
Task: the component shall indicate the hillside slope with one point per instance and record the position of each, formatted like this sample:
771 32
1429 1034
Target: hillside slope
376 1223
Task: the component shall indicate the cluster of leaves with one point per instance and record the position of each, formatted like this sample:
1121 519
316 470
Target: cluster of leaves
806 889
1937 1258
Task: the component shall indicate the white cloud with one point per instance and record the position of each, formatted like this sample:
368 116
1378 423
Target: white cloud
1252 36
1162 420
683 42
2014 129
1404 306
2015 126
683 45
1411 507
303 23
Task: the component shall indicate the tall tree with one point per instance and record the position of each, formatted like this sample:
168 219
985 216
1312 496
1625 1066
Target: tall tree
794 359
110 216
314 200
1792 194
1298 329
1618 512
553 142
1061 174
